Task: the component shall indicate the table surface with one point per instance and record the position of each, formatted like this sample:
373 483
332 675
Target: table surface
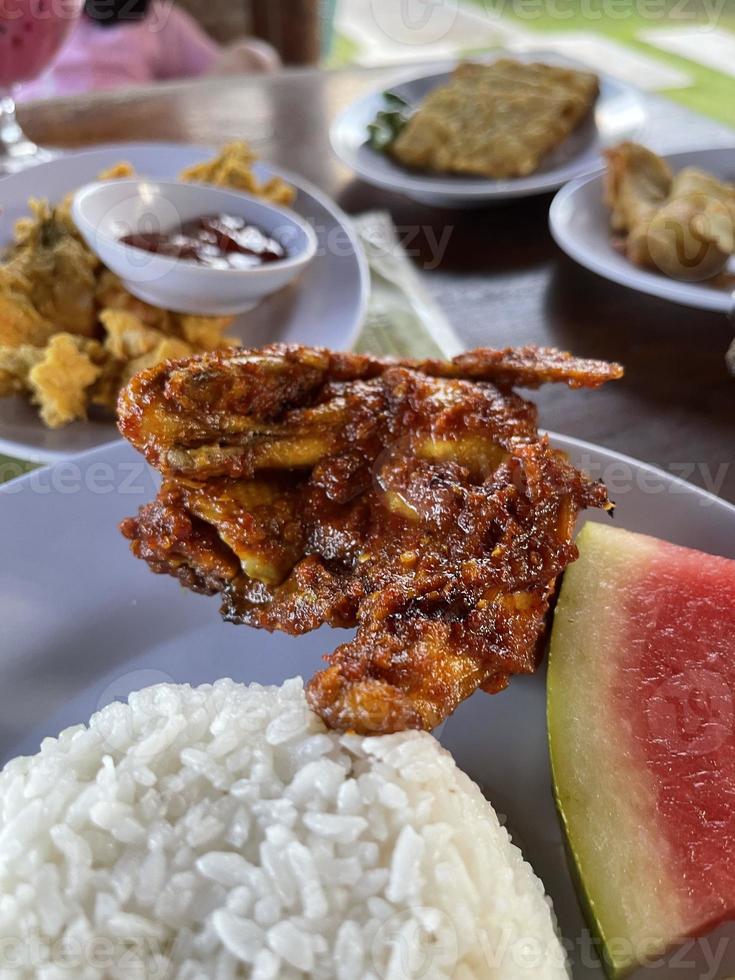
501 280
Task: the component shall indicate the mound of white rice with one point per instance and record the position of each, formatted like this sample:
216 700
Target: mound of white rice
221 832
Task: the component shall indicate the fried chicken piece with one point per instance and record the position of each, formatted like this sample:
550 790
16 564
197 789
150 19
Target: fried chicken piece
413 500
233 167
214 415
495 120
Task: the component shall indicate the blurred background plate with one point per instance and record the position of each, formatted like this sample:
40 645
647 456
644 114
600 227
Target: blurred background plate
618 114
580 224
84 623
324 307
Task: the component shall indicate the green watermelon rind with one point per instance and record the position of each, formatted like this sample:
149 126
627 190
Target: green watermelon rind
615 970
585 899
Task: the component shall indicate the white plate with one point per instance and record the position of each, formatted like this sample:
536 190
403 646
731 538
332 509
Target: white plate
619 114
325 307
580 224
83 623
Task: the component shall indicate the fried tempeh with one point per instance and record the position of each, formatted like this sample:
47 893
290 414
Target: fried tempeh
495 120
413 500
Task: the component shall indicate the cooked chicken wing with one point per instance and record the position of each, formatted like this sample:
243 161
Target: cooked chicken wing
415 501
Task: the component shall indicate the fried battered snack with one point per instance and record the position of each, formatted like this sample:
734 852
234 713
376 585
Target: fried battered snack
497 120
58 377
20 321
637 183
413 500
59 269
233 167
682 225
52 285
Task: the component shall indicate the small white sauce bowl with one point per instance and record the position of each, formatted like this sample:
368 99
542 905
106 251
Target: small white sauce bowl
106 211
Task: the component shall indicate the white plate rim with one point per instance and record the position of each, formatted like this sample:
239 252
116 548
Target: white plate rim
525 785
641 280
34 454
403 181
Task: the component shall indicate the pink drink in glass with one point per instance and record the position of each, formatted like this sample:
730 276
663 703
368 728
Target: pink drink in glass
31 34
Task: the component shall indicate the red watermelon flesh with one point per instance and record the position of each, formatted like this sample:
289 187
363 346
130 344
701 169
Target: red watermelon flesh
642 735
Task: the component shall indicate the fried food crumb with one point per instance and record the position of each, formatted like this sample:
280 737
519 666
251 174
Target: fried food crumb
60 375
205 332
71 335
59 268
20 321
168 349
233 167
127 336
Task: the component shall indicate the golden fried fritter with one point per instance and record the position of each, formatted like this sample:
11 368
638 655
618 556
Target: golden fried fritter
233 167
58 377
496 120
637 183
682 225
20 321
205 332
413 500
112 295
60 269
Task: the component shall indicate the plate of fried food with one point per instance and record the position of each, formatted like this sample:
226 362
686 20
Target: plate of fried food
71 335
662 225
398 533
503 127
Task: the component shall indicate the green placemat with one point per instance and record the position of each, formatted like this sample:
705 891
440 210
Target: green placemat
711 92
402 320
11 467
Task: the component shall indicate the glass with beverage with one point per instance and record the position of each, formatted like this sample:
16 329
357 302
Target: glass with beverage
31 34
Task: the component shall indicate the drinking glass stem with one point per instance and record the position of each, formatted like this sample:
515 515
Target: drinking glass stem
15 147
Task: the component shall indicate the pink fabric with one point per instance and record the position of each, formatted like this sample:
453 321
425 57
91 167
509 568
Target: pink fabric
167 44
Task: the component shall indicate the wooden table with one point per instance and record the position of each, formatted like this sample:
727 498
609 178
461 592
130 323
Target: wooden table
501 278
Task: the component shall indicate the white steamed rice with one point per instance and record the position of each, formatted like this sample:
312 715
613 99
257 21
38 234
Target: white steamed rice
221 832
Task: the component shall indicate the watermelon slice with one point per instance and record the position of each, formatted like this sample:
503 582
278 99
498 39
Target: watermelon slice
641 705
